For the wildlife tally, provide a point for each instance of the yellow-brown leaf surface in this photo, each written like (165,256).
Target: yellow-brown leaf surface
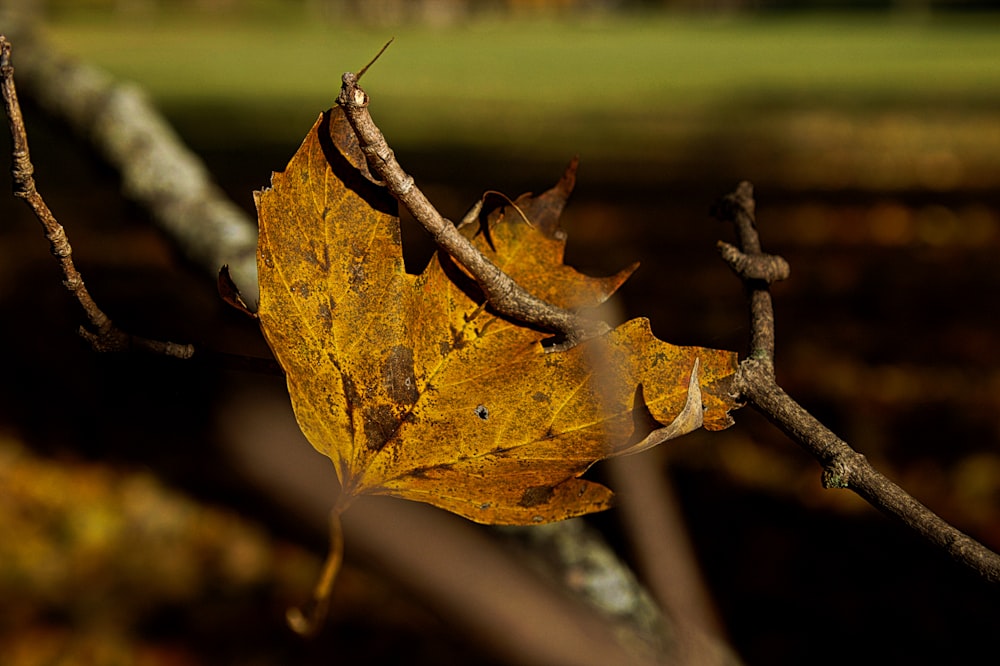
(415,389)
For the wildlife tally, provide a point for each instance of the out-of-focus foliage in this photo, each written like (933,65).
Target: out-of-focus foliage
(94,560)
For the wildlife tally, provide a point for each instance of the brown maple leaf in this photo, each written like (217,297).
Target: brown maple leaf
(414,387)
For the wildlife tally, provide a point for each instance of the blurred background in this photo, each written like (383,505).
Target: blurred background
(871,132)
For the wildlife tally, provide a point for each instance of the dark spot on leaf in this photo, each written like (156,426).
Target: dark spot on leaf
(350,389)
(380,424)
(553,360)
(538,396)
(321,261)
(357,276)
(398,378)
(427,472)
(536,495)
(659,358)
(325,315)
(482,412)
(351,396)
(457,339)
(331,405)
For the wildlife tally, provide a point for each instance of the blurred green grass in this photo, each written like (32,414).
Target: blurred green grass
(619,85)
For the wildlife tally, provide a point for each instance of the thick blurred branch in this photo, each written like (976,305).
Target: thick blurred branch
(653,522)
(843,467)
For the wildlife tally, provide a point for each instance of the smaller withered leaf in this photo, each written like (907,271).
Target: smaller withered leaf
(415,388)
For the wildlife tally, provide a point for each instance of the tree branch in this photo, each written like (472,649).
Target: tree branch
(503,293)
(158,171)
(843,467)
(102,335)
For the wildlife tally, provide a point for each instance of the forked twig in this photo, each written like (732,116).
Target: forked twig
(102,334)
(843,467)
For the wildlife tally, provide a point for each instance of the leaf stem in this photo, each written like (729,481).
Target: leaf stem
(308,619)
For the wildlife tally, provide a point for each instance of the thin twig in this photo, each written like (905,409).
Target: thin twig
(738,207)
(843,467)
(158,171)
(503,293)
(102,334)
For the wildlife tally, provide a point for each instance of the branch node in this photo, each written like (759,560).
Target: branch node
(404,187)
(764,267)
(836,476)
(23,172)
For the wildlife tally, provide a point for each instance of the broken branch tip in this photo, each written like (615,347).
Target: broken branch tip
(372,61)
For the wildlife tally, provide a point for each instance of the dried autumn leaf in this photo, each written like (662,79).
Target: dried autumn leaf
(415,388)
